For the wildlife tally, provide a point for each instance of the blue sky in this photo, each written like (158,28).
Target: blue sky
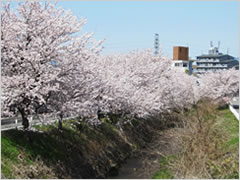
(130,25)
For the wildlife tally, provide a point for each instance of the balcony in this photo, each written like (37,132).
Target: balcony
(212,65)
(204,70)
(208,60)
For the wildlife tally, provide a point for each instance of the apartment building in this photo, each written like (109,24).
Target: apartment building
(215,61)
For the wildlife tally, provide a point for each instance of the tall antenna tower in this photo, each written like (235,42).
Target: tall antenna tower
(156,44)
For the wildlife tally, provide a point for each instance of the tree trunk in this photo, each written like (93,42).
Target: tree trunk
(60,121)
(25,121)
(60,124)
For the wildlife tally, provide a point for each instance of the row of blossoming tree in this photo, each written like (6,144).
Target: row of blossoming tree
(48,64)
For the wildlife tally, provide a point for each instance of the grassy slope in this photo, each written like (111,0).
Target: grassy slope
(231,125)
(49,146)
(18,152)
(226,165)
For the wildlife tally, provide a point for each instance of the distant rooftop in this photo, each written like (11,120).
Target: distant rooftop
(213,55)
(214,52)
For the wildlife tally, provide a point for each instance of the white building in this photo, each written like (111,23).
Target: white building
(182,64)
(181,60)
(215,61)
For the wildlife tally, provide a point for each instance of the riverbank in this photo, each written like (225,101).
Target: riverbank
(209,146)
(78,151)
(198,143)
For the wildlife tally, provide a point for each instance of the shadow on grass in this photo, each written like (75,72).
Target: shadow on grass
(79,150)
(60,150)
(72,152)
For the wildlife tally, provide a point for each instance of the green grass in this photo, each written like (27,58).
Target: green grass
(10,152)
(164,172)
(51,145)
(232,142)
(13,155)
(48,145)
(228,124)
(230,121)
(229,162)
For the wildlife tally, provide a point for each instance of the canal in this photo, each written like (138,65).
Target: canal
(145,163)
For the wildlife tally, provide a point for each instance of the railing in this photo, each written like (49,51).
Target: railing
(212,65)
(16,122)
(208,60)
(234,111)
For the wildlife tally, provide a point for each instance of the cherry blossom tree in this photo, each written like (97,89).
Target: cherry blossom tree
(219,86)
(34,36)
(141,84)
(45,62)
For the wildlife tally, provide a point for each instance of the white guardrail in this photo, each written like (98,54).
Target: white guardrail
(16,122)
(234,111)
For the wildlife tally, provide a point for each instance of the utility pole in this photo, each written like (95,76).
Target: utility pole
(156,45)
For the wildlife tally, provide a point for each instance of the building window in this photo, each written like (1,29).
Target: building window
(184,64)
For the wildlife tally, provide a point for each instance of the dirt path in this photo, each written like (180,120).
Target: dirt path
(145,163)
